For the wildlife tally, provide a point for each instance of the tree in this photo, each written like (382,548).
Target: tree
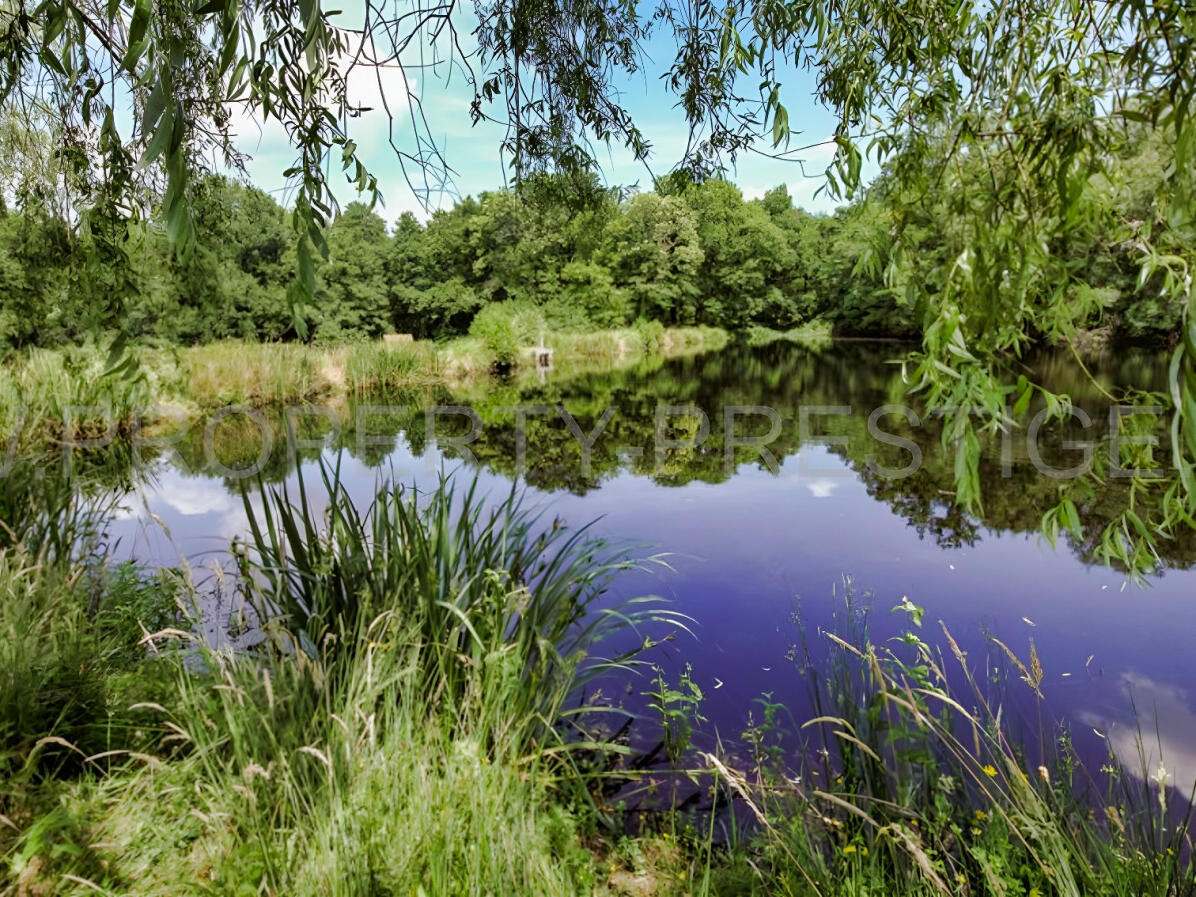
(353,298)
(34,281)
(745,259)
(234,282)
(653,253)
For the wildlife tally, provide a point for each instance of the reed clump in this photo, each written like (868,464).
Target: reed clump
(231,372)
(377,367)
(78,393)
(814,335)
(400,727)
(82,396)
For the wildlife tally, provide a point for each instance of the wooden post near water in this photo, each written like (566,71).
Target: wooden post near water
(541,358)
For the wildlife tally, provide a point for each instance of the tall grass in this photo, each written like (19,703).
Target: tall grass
(232,372)
(69,621)
(52,396)
(910,785)
(629,344)
(44,513)
(398,731)
(378,367)
(489,594)
(405,727)
(48,395)
(310,777)
(814,335)
(688,340)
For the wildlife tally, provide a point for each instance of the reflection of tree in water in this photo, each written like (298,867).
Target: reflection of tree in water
(1015,492)
(947,524)
(783,377)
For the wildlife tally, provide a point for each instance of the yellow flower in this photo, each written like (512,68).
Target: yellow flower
(850,848)
(981,815)
(864,851)
(1034,892)
(989,770)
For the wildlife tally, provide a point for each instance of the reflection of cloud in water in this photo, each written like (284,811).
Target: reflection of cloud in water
(234,522)
(1163,734)
(822,488)
(125,510)
(191,496)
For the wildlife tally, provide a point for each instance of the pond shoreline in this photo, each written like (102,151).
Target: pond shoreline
(50,398)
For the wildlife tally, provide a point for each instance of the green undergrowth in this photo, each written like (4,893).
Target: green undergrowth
(912,779)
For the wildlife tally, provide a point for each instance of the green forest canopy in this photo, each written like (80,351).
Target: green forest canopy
(690,253)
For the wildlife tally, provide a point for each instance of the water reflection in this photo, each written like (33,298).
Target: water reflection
(576,435)
(750,538)
(1151,731)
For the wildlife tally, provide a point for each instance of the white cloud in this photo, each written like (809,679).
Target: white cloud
(368,87)
(191,496)
(822,488)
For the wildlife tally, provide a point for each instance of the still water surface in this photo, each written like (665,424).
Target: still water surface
(750,541)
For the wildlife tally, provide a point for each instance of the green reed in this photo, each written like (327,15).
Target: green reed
(478,587)
(379,367)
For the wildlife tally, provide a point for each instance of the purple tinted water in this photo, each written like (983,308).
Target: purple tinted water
(745,547)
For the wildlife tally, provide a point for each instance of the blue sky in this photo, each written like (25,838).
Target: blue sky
(473,151)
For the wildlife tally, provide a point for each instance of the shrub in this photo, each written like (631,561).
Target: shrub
(506,328)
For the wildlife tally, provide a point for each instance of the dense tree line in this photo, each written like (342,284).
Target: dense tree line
(694,255)
(691,252)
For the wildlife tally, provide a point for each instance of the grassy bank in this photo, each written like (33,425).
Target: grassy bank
(48,395)
(409,725)
(817,334)
(398,731)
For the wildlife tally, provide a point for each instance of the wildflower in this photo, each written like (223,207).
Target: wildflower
(981,815)
(850,848)
(989,770)
(1161,775)
(1044,774)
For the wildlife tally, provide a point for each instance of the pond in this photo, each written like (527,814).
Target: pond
(834,496)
